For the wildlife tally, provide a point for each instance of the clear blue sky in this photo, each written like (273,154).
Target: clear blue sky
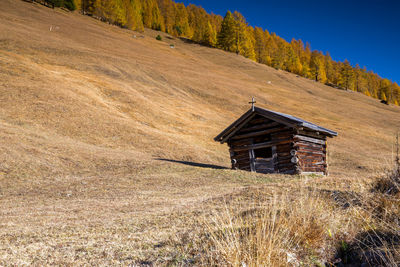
(366,32)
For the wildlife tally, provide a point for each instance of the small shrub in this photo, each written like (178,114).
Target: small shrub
(159,38)
(70,5)
(390,183)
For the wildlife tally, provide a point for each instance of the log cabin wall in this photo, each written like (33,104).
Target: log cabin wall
(311,152)
(263,145)
(285,152)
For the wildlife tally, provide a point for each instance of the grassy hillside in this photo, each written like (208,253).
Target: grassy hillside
(106,140)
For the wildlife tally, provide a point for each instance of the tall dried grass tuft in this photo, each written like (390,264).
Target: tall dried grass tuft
(286,229)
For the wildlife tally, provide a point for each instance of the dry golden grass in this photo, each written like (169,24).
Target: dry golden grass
(302,225)
(88,111)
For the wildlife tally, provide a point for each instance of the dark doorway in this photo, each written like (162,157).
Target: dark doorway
(263,159)
(263,153)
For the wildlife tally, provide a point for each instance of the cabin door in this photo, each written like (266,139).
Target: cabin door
(263,160)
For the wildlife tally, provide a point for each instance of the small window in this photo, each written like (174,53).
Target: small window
(263,153)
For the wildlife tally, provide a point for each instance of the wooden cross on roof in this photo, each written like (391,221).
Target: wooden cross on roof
(253,101)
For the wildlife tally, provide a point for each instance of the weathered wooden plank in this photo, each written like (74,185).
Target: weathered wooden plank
(317,135)
(287,157)
(264,160)
(244,161)
(252,134)
(259,120)
(283,162)
(240,142)
(283,154)
(283,136)
(289,171)
(309,149)
(286,165)
(263,145)
(310,154)
(240,153)
(259,127)
(303,143)
(303,167)
(287,168)
(284,147)
(316,148)
(310,159)
(308,145)
(309,139)
(307,152)
(321,163)
(261,139)
(287,132)
(312,163)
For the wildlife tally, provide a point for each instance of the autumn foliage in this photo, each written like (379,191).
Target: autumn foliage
(232,33)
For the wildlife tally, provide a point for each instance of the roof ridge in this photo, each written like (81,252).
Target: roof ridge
(283,118)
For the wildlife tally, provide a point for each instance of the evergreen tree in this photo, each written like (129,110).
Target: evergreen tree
(260,45)
(330,71)
(278,52)
(133,15)
(386,90)
(168,11)
(305,61)
(198,22)
(78,4)
(373,84)
(317,67)
(346,76)
(216,22)
(210,35)
(359,79)
(244,44)
(69,4)
(271,48)
(181,25)
(88,6)
(293,63)
(151,15)
(227,35)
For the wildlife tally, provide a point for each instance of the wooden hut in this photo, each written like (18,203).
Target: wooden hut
(266,141)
